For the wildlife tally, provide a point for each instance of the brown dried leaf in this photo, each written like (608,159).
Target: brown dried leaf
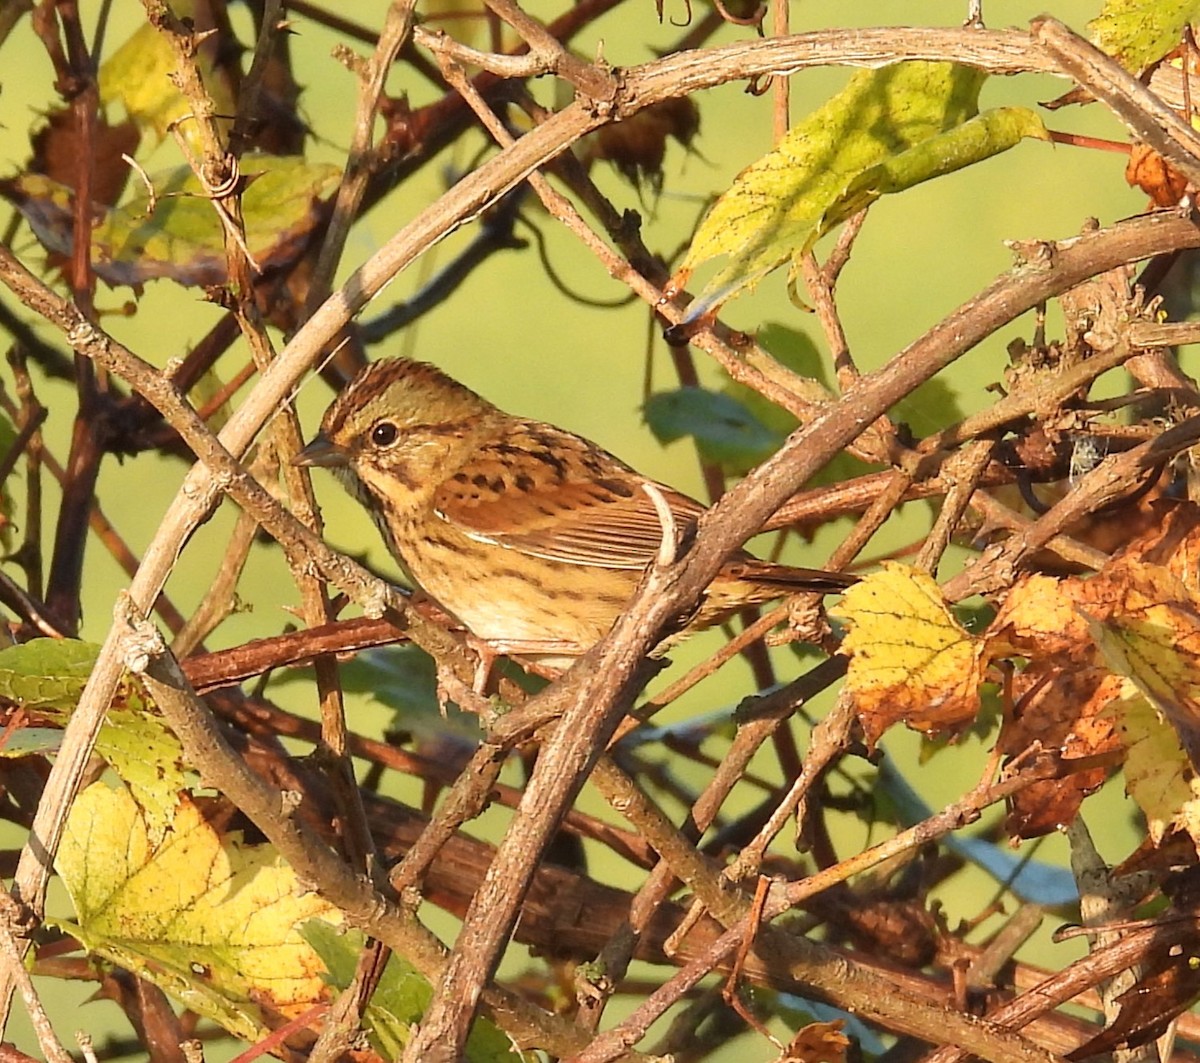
(182,238)
(637,146)
(56,149)
(1062,708)
(1172,541)
(1040,618)
(1059,697)
(1170,985)
(818,1042)
(1150,172)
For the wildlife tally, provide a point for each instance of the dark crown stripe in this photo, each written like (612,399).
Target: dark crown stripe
(379,376)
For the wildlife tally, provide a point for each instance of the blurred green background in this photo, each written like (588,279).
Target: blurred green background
(512,336)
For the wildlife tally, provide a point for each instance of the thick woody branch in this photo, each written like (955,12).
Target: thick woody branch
(592,698)
(602,686)
(313,861)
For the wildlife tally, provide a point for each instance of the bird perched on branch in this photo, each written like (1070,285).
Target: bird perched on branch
(533,537)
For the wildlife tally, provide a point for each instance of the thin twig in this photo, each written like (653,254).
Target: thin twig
(772,710)
(47,1040)
(987,1040)
(964,472)
(829,739)
(219,600)
(1148,118)
(1112,478)
(372,78)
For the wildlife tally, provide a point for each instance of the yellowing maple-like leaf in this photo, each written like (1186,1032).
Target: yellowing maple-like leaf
(910,660)
(1147,628)
(1081,646)
(1158,774)
(1040,615)
(210,920)
(1171,541)
(886,131)
(139,76)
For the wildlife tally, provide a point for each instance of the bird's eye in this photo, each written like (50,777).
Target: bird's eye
(384,434)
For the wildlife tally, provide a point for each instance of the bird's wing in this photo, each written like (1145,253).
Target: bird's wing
(542,491)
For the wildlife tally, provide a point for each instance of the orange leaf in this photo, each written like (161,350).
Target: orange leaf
(818,1042)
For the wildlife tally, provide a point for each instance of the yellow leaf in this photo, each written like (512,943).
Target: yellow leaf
(1158,775)
(1151,635)
(210,920)
(139,76)
(910,660)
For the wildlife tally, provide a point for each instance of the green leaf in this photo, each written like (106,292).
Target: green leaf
(1139,32)
(930,407)
(887,130)
(31,741)
(206,389)
(726,432)
(404,678)
(8,434)
(795,364)
(979,138)
(183,238)
(137,744)
(794,350)
(47,676)
(399,1001)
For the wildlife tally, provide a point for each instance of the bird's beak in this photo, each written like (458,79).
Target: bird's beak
(322,452)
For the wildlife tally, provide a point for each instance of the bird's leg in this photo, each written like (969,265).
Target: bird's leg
(486,656)
(547,658)
(486,652)
(452,689)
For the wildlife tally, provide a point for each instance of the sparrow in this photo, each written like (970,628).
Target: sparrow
(532,537)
